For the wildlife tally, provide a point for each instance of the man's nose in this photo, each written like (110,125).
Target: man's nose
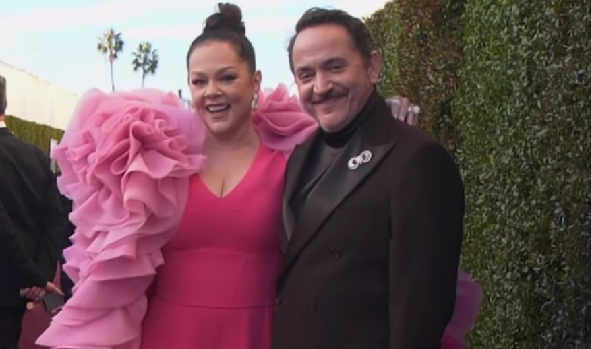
(322,84)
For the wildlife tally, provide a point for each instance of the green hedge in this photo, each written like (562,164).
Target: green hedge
(385,33)
(519,77)
(32,132)
(420,41)
(526,123)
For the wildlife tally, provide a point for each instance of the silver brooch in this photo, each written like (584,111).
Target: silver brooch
(362,158)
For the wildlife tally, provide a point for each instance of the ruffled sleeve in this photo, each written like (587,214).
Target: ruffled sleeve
(281,121)
(126,160)
(468,302)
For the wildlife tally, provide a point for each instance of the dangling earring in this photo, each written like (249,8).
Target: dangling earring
(255,101)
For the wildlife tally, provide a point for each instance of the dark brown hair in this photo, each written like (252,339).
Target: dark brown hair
(226,25)
(316,16)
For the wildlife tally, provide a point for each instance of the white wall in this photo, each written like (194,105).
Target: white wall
(32,99)
(361,8)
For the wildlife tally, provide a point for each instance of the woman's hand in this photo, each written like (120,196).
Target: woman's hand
(404,110)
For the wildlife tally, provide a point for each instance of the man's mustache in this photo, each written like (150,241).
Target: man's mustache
(328,95)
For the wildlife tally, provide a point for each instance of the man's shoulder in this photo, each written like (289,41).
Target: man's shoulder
(18,142)
(418,152)
(23,150)
(413,139)
(307,142)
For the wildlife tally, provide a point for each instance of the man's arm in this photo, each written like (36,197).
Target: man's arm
(427,214)
(13,254)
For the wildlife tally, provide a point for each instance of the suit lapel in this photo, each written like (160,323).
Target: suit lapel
(296,164)
(335,186)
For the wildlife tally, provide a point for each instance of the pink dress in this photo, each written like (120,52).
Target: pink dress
(130,164)
(216,289)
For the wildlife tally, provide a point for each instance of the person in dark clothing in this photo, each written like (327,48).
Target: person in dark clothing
(31,228)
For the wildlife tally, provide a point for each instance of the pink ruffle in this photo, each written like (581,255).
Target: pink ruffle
(468,303)
(281,121)
(126,160)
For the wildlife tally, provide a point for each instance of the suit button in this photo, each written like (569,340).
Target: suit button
(313,306)
(335,252)
(278,300)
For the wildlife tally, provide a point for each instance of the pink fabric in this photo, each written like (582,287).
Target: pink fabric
(468,303)
(278,116)
(126,161)
(222,265)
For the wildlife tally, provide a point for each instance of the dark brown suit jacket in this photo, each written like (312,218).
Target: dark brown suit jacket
(373,257)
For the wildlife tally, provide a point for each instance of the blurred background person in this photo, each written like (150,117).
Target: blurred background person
(32,228)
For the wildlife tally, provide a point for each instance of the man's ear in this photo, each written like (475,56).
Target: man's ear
(375,66)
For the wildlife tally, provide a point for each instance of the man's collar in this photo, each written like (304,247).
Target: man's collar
(3,124)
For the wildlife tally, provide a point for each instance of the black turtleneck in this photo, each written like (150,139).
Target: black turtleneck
(324,150)
(340,138)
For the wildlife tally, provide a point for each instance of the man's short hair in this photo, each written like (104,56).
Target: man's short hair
(358,31)
(3,97)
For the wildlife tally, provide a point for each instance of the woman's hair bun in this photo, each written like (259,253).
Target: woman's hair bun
(228,17)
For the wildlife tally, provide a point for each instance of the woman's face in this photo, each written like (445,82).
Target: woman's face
(222,87)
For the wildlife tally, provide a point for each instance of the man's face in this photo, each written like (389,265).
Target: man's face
(333,79)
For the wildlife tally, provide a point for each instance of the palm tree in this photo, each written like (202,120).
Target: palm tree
(145,59)
(111,45)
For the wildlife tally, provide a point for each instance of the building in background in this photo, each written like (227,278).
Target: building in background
(33,99)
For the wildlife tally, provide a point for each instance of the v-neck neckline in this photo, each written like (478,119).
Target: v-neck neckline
(244,178)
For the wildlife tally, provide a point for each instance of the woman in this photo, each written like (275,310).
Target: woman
(134,165)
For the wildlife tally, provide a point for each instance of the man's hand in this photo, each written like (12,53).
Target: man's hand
(36,293)
(403,110)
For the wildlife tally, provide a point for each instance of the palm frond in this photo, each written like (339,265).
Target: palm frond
(110,44)
(145,59)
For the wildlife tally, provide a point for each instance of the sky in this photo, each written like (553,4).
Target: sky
(56,40)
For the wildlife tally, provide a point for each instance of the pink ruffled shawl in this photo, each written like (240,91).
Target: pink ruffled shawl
(126,160)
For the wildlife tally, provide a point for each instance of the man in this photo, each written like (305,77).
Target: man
(373,208)
(32,226)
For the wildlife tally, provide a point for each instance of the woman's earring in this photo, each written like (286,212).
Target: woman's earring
(255,101)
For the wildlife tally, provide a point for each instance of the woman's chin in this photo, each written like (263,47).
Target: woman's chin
(219,127)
